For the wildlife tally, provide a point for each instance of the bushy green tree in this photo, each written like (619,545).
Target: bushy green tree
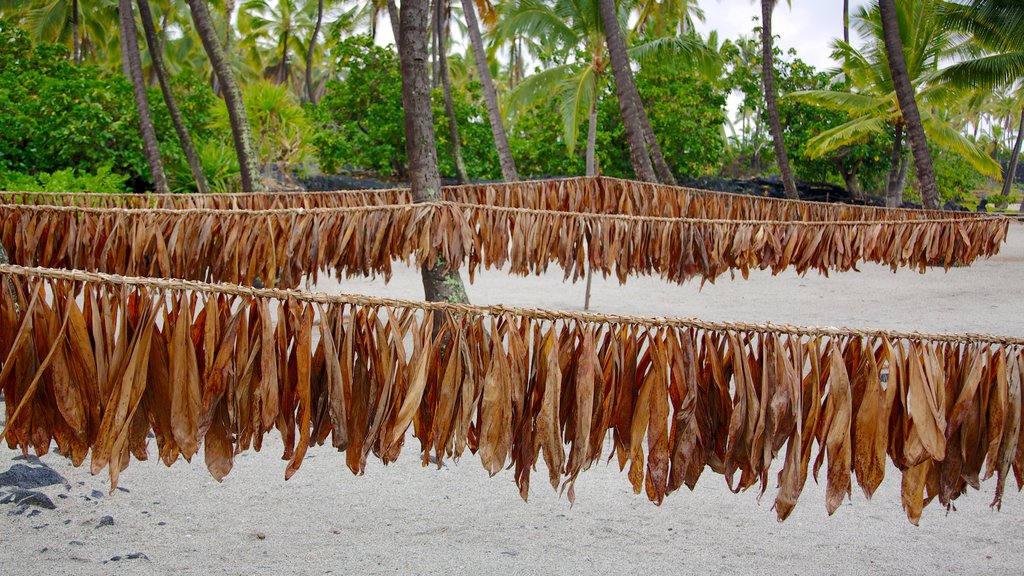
(686,112)
(860,167)
(56,116)
(359,124)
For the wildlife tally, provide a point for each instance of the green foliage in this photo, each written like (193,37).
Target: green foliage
(280,129)
(359,123)
(56,116)
(687,115)
(67,180)
(478,149)
(220,164)
(955,178)
(536,141)
(868,160)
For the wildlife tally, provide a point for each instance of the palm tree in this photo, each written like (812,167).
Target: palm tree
(667,17)
(240,129)
(310,93)
(890,18)
(157,59)
(846,21)
(768,81)
(440,28)
(439,281)
(625,89)
(997,28)
(133,63)
(81,24)
(270,35)
(872,103)
(508,165)
(574,36)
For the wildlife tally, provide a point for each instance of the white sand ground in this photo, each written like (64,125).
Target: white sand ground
(406,519)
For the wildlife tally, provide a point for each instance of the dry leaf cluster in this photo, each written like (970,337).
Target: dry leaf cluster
(96,364)
(281,246)
(591,195)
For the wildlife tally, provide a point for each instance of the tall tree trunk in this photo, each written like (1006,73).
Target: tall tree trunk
(591,172)
(768,81)
(850,179)
(624,88)
(130,48)
(846,21)
(1011,170)
(282,68)
(156,55)
(895,155)
(439,282)
(592,139)
(508,165)
(894,194)
(76,39)
(229,10)
(435,76)
(901,180)
(908,104)
(665,175)
(441,29)
(240,129)
(310,92)
(393,17)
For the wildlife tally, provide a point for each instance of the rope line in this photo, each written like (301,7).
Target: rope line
(498,310)
(483,208)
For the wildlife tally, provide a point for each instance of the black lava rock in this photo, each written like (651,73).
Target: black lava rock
(27,498)
(29,477)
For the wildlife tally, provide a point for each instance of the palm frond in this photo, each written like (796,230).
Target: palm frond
(853,132)
(576,95)
(850,102)
(690,51)
(987,71)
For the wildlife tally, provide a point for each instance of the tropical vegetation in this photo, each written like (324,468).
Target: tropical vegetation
(924,104)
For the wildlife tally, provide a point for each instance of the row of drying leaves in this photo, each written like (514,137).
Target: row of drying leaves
(281,247)
(221,371)
(591,195)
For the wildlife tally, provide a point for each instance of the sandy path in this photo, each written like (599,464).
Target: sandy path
(404,519)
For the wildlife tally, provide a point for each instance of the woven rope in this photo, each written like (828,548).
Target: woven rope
(540,182)
(482,208)
(498,310)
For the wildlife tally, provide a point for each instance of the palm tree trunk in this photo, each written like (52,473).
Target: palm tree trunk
(623,84)
(310,93)
(591,172)
(1011,170)
(908,104)
(846,21)
(393,17)
(76,39)
(282,67)
(893,191)
(130,48)
(768,81)
(441,29)
(439,282)
(665,175)
(849,175)
(240,129)
(508,165)
(156,55)
(435,77)
(592,139)
(229,9)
